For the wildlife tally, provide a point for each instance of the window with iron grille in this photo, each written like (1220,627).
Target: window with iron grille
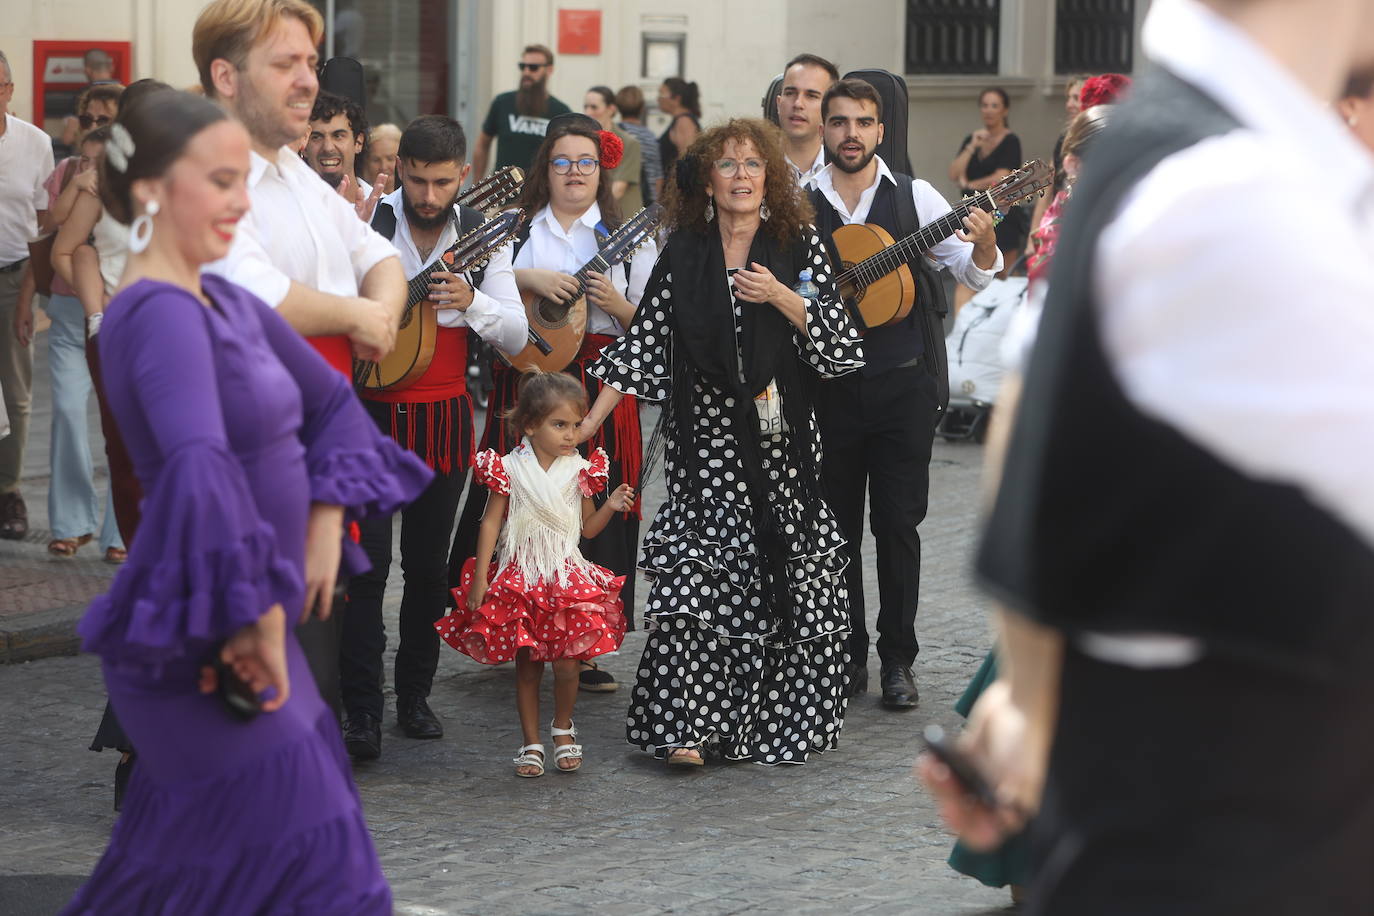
(1094,36)
(952,36)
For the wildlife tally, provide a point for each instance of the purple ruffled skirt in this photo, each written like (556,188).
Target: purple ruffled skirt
(228,817)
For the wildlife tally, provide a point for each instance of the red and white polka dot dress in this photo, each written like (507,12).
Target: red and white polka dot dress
(542,594)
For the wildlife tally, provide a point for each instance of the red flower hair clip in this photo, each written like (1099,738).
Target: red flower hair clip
(1106,89)
(612,150)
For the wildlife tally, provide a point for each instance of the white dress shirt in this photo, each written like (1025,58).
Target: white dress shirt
(25,163)
(300,229)
(496,312)
(804,177)
(551,248)
(952,252)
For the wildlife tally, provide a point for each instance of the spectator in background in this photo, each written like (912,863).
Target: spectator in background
(680,101)
(804,82)
(986,156)
(519,118)
(73,510)
(338,135)
(599,105)
(25,161)
(1072,106)
(629,101)
(378,157)
(99,67)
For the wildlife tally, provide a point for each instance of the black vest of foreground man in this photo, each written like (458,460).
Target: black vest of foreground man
(1233,782)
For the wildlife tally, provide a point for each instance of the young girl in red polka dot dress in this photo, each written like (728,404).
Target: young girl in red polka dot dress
(541,601)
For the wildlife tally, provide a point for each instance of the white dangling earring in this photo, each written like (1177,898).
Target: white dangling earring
(710,209)
(141,232)
(764,212)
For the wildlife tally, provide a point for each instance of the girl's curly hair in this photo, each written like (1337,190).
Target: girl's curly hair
(685,192)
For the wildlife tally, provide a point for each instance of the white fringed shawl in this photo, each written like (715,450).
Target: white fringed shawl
(544,522)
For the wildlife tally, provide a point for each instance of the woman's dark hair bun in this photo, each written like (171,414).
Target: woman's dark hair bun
(152,133)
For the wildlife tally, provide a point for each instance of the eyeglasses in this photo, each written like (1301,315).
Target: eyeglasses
(563,165)
(530,68)
(729,168)
(89,121)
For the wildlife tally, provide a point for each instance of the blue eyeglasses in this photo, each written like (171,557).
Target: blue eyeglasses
(562,165)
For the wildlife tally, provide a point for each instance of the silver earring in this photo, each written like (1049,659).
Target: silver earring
(710,209)
(141,232)
(764,212)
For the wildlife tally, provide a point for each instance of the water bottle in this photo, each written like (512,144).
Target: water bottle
(805,287)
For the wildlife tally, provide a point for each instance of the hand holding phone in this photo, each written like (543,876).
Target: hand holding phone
(965,772)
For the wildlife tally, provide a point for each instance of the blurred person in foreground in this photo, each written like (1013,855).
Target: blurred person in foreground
(1196,567)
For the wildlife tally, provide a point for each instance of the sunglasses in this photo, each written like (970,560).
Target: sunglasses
(89,121)
(563,165)
(530,68)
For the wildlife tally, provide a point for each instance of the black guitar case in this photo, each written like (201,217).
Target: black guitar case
(896,110)
(770,100)
(344,76)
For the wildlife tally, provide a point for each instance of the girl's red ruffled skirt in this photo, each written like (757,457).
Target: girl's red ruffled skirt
(580,620)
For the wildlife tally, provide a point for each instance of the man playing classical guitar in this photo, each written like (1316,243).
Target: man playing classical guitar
(878,424)
(433,416)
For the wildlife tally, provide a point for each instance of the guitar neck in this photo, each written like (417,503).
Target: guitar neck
(918,243)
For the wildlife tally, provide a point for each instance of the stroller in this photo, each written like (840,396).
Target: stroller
(975,359)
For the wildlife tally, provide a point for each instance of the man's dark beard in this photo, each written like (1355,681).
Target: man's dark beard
(427,222)
(851,169)
(534,99)
(333,179)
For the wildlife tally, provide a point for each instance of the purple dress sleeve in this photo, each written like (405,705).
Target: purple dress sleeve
(205,562)
(351,464)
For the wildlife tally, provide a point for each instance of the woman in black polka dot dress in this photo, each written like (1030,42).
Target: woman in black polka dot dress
(748,606)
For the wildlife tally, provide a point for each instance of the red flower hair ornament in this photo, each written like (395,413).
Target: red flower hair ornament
(612,150)
(1106,89)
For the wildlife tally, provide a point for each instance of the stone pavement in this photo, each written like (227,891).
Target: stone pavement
(458,834)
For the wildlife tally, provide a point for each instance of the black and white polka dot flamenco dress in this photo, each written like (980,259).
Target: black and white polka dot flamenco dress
(716,672)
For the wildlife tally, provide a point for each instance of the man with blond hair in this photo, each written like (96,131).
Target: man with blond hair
(301,248)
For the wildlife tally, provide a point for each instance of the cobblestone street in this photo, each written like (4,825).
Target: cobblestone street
(457,833)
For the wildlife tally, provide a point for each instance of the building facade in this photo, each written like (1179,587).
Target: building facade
(426,56)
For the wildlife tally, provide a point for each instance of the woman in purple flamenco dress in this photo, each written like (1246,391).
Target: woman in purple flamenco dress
(253,455)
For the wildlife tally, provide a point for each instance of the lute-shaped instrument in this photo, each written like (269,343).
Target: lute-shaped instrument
(414,348)
(557,328)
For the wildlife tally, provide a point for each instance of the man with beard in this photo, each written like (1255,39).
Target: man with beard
(878,424)
(521,117)
(432,416)
(301,247)
(1184,531)
(338,136)
(804,82)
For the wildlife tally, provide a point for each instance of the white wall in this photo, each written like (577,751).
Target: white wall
(160,31)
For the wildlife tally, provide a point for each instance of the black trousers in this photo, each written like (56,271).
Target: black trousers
(426,529)
(876,434)
(1216,789)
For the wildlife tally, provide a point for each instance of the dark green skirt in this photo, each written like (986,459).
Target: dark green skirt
(1011,863)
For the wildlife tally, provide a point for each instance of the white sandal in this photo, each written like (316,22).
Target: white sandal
(564,751)
(531,755)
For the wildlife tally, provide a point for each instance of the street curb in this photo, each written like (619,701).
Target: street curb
(40,634)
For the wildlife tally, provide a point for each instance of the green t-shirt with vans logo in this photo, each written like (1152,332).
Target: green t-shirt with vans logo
(517,136)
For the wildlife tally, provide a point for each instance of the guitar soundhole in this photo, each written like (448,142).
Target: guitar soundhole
(552,314)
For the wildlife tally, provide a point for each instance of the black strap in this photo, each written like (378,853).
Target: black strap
(384,220)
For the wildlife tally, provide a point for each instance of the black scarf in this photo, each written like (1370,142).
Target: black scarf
(707,347)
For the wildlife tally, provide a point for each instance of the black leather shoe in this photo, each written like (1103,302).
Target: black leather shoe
(363,736)
(417,719)
(856,680)
(899,688)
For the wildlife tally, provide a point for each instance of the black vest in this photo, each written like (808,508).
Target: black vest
(891,345)
(384,224)
(1109,520)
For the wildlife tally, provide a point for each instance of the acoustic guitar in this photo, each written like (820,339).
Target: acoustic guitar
(414,348)
(495,191)
(875,279)
(556,327)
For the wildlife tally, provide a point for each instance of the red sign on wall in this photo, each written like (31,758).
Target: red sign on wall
(59,76)
(579,31)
